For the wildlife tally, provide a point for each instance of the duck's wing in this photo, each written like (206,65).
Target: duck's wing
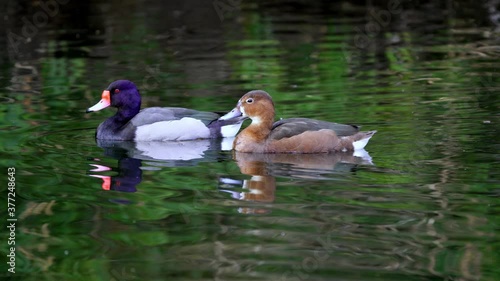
(158,114)
(286,128)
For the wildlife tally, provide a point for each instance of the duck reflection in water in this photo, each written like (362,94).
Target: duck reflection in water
(129,175)
(264,168)
(133,157)
(129,170)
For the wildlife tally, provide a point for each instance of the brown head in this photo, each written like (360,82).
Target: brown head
(256,105)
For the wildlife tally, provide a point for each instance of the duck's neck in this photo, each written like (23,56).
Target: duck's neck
(260,128)
(124,114)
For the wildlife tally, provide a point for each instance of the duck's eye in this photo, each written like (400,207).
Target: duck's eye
(249,100)
(116,91)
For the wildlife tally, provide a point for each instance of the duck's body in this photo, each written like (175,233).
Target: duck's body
(156,123)
(166,124)
(294,135)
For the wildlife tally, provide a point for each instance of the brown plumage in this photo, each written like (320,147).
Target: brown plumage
(294,135)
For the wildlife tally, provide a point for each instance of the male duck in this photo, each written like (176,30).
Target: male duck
(294,135)
(156,123)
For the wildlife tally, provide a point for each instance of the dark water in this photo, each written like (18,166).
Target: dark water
(422,205)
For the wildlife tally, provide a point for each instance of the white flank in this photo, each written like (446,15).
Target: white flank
(230,130)
(361,143)
(176,130)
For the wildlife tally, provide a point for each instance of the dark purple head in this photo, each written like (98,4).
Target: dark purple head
(122,94)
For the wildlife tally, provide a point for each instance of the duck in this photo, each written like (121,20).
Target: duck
(130,123)
(293,135)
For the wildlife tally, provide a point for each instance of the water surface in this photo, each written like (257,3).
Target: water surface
(420,204)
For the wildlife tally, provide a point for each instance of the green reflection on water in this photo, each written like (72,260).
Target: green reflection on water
(425,210)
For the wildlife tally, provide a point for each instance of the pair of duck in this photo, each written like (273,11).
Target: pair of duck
(263,135)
